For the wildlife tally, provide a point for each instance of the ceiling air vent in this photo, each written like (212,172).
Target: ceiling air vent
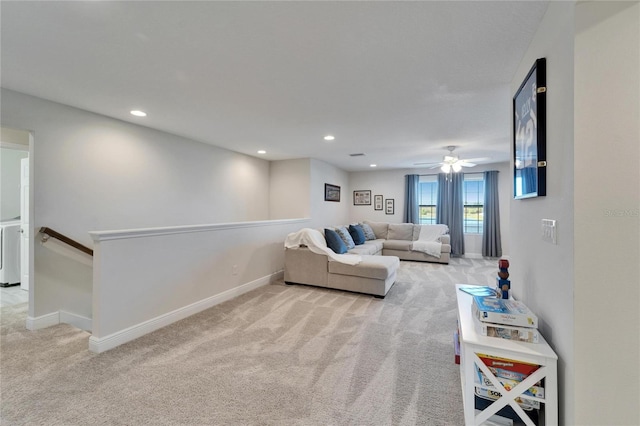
(358,154)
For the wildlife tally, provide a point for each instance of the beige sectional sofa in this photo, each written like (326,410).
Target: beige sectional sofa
(376,270)
(396,239)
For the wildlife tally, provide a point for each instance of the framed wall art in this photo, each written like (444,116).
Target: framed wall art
(529,134)
(361,198)
(377,202)
(389,206)
(331,192)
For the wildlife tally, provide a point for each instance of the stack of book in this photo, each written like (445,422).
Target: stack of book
(509,373)
(505,318)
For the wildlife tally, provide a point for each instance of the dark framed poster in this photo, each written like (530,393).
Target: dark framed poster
(331,192)
(529,134)
(361,198)
(389,206)
(377,202)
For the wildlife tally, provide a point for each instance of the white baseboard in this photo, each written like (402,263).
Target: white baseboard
(102,344)
(43,321)
(83,323)
(60,317)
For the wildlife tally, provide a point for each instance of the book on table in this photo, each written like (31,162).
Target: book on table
(509,373)
(503,311)
(508,384)
(479,290)
(508,368)
(508,332)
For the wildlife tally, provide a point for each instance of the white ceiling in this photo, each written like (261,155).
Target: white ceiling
(398,81)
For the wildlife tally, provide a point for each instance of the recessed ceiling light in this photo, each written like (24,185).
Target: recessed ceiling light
(138,113)
(329,138)
(262,151)
(373,165)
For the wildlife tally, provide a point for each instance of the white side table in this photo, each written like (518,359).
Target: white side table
(472,343)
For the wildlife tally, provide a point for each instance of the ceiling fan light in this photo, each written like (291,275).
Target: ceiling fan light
(457,167)
(446,168)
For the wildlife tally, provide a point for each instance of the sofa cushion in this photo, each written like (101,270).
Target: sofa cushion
(357,234)
(368,231)
(400,231)
(346,236)
(379,228)
(369,248)
(334,242)
(376,267)
(416,232)
(398,245)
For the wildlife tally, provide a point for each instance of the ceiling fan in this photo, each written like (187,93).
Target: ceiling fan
(452,162)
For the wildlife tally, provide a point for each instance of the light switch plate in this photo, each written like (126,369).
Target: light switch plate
(549,231)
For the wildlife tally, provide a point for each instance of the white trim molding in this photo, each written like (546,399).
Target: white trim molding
(99,345)
(60,317)
(43,321)
(153,232)
(83,323)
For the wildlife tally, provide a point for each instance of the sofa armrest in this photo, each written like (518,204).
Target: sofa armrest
(303,266)
(445,239)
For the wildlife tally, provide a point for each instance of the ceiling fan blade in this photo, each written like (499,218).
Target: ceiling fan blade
(475,160)
(428,164)
(466,164)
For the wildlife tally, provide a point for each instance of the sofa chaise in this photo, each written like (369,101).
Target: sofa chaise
(370,267)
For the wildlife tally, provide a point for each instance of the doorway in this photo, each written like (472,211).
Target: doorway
(15,148)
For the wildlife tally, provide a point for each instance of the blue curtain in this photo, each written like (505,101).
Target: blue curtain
(491,244)
(450,209)
(411,201)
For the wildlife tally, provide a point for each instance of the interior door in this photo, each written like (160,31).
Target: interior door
(24,223)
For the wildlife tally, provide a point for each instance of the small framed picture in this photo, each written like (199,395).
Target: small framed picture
(377,202)
(389,206)
(361,198)
(331,192)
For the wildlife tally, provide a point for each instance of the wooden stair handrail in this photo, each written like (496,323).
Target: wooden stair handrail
(50,232)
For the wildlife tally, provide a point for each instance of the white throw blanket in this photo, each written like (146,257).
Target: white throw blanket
(315,241)
(428,241)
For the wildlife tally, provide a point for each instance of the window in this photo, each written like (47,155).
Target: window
(428,198)
(473,199)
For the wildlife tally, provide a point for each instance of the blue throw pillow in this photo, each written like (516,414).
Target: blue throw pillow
(357,234)
(346,237)
(334,242)
(368,231)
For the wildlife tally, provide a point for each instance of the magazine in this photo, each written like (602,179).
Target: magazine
(479,290)
(504,311)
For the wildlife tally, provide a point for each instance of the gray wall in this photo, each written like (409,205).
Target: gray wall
(92,172)
(542,274)
(607,210)
(585,288)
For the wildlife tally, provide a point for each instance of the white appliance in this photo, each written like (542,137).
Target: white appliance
(9,253)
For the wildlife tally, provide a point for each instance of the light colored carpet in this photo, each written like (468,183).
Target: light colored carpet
(279,355)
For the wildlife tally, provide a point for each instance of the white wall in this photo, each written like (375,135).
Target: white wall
(328,213)
(289,183)
(542,274)
(388,183)
(10,181)
(391,184)
(92,172)
(607,211)
(167,274)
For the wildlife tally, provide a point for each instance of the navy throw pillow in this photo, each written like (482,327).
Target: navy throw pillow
(334,242)
(357,234)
